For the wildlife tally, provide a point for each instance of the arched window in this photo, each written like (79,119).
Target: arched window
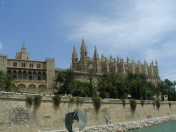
(25,77)
(39,76)
(35,75)
(14,75)
(9,73)
(23,64)
(31,65)
(44,76)
(38,66)
(19,75)
(15,64)
(30,75)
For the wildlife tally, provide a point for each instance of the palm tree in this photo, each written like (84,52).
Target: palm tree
(65,79)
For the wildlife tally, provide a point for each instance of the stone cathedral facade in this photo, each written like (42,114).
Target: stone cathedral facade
(83,64)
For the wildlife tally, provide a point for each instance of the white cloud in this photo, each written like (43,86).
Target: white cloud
(139,29)
(165,54)
(142,26)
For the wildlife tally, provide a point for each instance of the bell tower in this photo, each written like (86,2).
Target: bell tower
(23,54)
(74,59)
(96,61)
(84,56)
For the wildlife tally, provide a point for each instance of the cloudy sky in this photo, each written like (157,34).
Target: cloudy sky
(139,29)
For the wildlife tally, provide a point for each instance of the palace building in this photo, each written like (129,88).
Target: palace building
(83,64)
(29,75)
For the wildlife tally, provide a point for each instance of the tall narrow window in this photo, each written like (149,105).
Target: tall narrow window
(31,65)
(23,64)
(15,64)
(38,66)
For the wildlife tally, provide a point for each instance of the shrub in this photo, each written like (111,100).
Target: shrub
(142,103)
(28,101)
(170,105)
(78,101)
(157,103)
(56,101)
(96,103)
(153,103)
(71,100)
(123,103)
(133,105)
(37,101)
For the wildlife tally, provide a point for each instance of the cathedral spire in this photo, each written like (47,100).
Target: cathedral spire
(74,59)
(74,53)
(83,45)
(96,56)
(156,62)
(83,56)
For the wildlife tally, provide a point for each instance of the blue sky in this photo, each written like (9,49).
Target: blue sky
(135,28)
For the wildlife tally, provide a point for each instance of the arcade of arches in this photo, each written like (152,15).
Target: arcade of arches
(29,80)
(28,87)
(27,74)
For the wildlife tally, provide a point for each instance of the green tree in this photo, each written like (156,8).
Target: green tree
(168,88)
(6,83)
(112,85)
(120,85)
(65,79)
(92,89)
(80,88)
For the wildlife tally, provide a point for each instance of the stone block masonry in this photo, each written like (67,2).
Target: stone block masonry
(14,115)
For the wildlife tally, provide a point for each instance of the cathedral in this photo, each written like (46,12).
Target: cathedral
(101,65)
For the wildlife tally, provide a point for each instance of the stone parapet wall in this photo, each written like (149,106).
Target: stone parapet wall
(46,117)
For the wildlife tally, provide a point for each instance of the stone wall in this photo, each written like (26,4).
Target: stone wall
(3,63)
(46,117)
(50,64)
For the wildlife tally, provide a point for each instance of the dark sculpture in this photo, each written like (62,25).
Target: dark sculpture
(69,119)
(80,117)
